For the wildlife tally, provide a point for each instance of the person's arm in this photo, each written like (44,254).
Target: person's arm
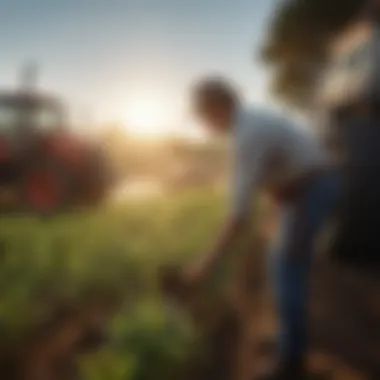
(245,179)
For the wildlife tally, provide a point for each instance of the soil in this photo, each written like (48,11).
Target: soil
(239,334)
(344,325)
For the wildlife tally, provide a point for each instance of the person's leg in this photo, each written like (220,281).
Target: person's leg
(291,263)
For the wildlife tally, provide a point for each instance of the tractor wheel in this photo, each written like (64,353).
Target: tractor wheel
(46,188)
(97,180)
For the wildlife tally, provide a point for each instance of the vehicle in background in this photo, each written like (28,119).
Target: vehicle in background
(44,167)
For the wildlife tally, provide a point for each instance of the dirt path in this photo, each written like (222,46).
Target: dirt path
(344,322)
(346,318)
(345,326)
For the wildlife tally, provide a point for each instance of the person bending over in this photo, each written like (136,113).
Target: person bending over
(271,153)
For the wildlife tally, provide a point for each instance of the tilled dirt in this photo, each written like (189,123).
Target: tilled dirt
(239,333)
(344,325)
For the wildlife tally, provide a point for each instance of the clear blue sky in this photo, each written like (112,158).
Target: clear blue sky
(101,54)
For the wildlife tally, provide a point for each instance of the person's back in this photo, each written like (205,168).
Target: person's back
(283,148)
(272,153)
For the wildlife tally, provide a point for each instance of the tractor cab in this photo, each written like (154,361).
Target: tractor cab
(26,114)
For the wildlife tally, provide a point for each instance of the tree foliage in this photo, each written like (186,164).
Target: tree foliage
(297,41)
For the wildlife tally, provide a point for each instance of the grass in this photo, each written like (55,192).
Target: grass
(117,250)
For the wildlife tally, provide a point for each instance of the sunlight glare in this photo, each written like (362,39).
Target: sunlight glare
(147,118)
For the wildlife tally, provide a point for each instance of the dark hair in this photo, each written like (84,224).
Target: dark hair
(213,91)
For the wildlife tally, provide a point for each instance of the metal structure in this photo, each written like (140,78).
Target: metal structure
(350,96)
(45,168)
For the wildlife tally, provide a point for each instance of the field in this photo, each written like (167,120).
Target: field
(110,256)
(80,299)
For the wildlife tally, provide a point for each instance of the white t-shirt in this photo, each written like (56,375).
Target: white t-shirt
(269,150)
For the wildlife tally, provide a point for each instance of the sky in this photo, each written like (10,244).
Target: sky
(114,60)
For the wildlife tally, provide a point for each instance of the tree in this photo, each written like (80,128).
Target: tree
(297,41)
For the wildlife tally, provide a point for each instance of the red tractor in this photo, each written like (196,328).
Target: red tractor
(45,168)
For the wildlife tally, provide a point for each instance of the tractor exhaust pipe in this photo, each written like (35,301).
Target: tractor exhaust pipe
(29,78)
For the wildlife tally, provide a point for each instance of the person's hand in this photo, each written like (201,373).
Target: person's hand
(196,275)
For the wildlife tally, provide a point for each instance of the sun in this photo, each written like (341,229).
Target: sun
(146,118)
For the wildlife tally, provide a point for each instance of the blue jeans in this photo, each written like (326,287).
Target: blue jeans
(291,260)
